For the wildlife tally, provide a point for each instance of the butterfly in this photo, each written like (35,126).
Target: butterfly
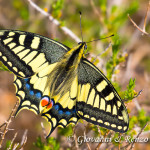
(59,83)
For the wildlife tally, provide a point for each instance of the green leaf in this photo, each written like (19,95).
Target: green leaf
(51,144)
(57,7)
(66,131)
(3,68)
(8,142)
(130,93)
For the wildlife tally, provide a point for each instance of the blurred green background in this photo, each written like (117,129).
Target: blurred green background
(124,59)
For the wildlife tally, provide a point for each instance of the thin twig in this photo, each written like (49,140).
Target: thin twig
(132,145)
(139,93)
(100,143)
(8,122)
(3,125)
(56,22)
(137,104)
(99,131)
(89,148)
(146,16)
(140,133)
(75,138)
(137,26)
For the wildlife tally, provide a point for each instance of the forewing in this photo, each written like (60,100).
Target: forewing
(98,101)
(26,53)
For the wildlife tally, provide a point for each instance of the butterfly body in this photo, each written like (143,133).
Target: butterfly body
(65,71)
(59,83)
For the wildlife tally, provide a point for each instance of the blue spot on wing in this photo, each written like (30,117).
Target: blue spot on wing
(60,112)
(56,107)
(68,113)
(27,86)
(38,95)
(31,93)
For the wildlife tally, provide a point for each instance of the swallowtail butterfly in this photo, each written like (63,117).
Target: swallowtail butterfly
(59,83)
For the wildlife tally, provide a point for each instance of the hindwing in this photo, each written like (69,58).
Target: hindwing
(63,111)
(98,101)
(31,91)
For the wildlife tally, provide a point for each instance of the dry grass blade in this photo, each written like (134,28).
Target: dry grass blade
(24,140)
(12,141)
(44,131)
(15,146)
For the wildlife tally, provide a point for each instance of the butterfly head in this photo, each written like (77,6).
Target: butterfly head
(46,104)
(83,44)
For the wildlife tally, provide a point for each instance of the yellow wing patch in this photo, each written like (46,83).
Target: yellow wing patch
(100,104)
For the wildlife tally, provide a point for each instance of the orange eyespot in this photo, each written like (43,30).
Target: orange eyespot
(50,105)
(46,102)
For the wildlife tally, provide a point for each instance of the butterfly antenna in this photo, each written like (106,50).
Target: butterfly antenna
(101,38)
(81,26)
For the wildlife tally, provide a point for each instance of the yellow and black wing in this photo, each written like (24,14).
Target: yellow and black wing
(89,95)
(63,111)
(60,116)
(98,101)
(26,53)
(31,58)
